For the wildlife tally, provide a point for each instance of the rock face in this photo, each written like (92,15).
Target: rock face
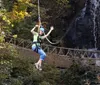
(85,30)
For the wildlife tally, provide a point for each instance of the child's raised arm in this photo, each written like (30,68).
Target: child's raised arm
(51,29)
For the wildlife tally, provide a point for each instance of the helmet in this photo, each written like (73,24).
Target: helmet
(41,26)
(42,29)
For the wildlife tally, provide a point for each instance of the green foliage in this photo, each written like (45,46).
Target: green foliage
(7,4)
(1,39)
(17,71)
(3,20)
(52,75)
(22,15)
(71,76)
(13,12)
(44,83)
(63,2)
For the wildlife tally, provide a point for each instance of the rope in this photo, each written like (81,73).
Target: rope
(39,18)
(63,35)
(59,40)
(50,41)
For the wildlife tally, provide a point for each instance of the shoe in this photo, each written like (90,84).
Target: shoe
(40,68)
(36,65)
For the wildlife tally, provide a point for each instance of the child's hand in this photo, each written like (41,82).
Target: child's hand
(51,28)
(36,25)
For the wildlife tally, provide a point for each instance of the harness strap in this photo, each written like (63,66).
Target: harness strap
(37,47)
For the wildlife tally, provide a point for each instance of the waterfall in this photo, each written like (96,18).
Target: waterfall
(85,29)
(82,13)
(0,3)
(96,4)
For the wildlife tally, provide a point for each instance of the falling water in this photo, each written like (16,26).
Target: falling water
(82,12)
(85,29)
(95,2)
(0,3)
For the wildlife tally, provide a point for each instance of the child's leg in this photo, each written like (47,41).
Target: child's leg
(39,62)
(42,56)
(34,49)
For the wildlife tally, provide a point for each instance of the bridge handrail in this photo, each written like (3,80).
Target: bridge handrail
(63,51)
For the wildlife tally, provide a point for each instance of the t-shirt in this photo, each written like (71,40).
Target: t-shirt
(35,38)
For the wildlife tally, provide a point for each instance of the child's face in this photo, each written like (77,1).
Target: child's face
(41,33)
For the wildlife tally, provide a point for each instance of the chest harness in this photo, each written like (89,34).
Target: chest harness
(39,41)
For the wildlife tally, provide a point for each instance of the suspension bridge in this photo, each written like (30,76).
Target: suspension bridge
(58,56)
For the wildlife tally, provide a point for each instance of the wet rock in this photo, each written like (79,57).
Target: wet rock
(85,29)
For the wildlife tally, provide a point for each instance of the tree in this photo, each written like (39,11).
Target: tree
(22,15)
(13,12)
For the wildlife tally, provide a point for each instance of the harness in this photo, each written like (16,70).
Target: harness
(39,41)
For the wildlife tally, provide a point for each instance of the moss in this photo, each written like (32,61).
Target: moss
(3,76)
(44,83)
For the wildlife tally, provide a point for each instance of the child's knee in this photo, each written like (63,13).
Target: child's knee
(44,54)
(42,57)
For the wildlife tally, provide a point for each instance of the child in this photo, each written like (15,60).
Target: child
(37,42)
